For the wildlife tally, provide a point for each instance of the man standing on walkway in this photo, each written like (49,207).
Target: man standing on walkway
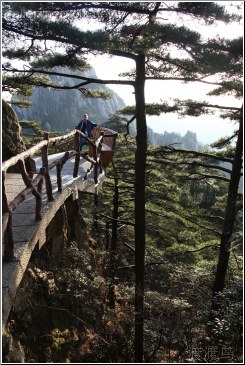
(85,126)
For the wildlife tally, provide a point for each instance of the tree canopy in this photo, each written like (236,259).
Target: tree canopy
(48,34)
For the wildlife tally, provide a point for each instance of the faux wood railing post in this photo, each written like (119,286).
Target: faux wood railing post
(100,151)
(77,158)
(28,182)
(96,152)
(59,180)
(8,253)
(95,156)
(45,165)
(5,206)
(39,202)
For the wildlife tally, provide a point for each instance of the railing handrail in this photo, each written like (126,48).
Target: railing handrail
(35,186)
(30,152)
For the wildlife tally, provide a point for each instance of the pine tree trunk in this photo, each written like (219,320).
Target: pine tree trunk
(140,167)
(230,216)
(113,248)
(115,218)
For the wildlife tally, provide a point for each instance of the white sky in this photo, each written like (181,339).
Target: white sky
(207,128)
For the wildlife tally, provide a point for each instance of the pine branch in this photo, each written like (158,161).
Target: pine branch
(122,221)
(184,79)
(128,246)
(193,164)
(216,106)
(170,255)
(116,52)
(86,82)
(167,149)
(127,126)
(206,176)
(178,216)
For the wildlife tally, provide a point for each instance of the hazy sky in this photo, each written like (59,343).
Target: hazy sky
(207,128)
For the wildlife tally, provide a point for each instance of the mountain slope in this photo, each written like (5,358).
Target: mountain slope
(62,109)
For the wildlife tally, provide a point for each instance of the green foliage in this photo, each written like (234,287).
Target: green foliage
(225,144)
(165,63)
(116,123)
(96,93)
(33,125)
(21,103)
(150,109)
(233,87)
(65,316)
(141,38)
(179,208)
(187,107)
(16,53)
(208,11)
(32,132)
(13,85)
(23,85)
(152,38)
(192,108)
(227,325)
(184,202)
(69,60)
(236,47)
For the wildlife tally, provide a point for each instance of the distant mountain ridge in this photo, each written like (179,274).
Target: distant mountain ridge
(189,140)
(59,110)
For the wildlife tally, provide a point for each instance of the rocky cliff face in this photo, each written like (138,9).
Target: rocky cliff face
(12,142)
(59,110)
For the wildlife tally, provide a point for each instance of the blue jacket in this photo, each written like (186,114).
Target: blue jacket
(86,128)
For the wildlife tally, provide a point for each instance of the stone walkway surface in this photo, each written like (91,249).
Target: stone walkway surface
(26,231)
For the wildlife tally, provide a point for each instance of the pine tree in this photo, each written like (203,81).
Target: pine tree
(131,30)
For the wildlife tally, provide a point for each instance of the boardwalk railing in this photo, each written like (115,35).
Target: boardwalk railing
(97,149)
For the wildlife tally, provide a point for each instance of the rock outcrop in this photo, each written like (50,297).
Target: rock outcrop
(12,142)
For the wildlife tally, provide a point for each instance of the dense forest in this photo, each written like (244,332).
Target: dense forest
(81,307)
(158,275)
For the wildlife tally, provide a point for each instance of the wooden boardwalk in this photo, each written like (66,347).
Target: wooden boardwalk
(29,233)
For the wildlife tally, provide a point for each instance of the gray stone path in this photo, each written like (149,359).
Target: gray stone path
(27,232)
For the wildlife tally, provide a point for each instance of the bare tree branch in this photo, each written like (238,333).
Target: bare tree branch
(86,82)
